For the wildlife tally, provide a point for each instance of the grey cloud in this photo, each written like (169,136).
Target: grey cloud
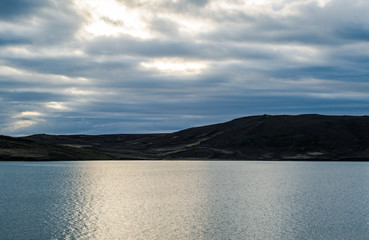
(11,9)
(56,23)
(199,2)
(286,31)
(164,27)
(70,66)
(12,40)
(168,117)
(176,48)
(353,32)
(167,6)
(129,46)
(29,96)
(112,22)
(312,25)
(337,72)
(314,61)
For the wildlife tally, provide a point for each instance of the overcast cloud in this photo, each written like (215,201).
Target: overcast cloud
(124,66)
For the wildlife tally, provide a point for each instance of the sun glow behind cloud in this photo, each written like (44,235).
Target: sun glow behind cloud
(109,18)
(175,66)
(21,124)
(24,119)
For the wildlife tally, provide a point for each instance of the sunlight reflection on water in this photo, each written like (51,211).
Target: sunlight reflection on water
(184,200)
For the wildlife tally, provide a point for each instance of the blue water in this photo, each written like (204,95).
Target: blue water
(184,200)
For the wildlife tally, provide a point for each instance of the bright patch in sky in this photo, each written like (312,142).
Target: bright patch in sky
(21,124)
(175,66)
(56,105)
(27,114)
(109,18)
(26,120)
(257,2)
(77,91)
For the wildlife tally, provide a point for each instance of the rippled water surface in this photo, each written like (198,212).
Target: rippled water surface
(184,200)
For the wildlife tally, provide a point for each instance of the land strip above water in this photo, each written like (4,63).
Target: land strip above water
(265,137)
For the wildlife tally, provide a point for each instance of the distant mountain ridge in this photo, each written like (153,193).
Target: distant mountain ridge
(265,137)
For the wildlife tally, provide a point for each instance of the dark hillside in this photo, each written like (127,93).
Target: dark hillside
(274,137)
(21,149)
(284,137)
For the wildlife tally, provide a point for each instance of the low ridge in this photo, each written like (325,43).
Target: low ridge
(266,137)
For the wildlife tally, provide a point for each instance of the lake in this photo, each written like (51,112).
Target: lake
(184,200)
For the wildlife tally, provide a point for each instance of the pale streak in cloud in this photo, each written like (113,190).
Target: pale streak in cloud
(28,119)
(57,106)
(175,66)
(27,114)
(17,125)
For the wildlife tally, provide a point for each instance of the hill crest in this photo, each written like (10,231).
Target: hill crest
(264,137)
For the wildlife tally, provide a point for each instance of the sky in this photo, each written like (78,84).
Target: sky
(148,66)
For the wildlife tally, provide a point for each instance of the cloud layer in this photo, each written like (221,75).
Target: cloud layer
(125,66)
